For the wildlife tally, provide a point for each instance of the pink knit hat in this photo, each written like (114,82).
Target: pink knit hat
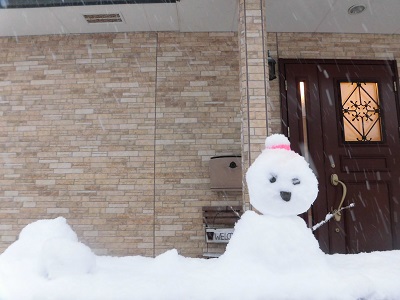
(277,141)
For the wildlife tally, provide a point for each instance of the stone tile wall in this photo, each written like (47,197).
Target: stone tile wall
(114,132)
(253,82)
(197,117)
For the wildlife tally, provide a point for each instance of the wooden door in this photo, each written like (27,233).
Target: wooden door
(346,123)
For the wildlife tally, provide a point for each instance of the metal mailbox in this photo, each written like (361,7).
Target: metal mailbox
(226,173)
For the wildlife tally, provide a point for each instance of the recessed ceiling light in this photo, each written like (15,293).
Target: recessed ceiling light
(356,9)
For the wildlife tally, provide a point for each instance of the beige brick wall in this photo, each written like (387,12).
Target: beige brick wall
(326,46)
(197,108)
(253,82)
(114,132)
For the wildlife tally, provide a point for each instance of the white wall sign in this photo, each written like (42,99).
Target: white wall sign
(218,235)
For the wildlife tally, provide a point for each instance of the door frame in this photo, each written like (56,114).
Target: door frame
(282,79)
(322,233)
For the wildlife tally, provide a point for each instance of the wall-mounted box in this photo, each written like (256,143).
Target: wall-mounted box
(226,173)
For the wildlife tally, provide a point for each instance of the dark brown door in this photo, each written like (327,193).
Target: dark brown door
(343,116)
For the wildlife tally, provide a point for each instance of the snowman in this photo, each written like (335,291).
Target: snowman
(281,186)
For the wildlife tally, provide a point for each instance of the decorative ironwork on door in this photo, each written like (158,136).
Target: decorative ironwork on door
(361,112)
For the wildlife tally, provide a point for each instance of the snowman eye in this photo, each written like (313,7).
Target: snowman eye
(272,179)
(295,181)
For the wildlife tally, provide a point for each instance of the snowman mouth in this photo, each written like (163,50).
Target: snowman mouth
(286,196)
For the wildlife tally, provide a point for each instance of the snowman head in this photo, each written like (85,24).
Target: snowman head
(280,181)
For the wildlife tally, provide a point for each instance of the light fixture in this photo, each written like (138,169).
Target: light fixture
(356,9)
(271,67)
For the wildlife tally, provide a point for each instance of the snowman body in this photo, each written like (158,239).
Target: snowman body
(281,186)
(278,243)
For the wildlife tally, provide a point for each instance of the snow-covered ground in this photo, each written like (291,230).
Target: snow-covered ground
(270,256)
(48,262)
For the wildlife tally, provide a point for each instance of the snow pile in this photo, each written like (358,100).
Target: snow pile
(270,256)
(63,257)
(50,248)
(45,249)
(32,237)
(244,272)
(275,269)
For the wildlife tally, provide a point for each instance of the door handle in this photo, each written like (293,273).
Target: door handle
(335,181)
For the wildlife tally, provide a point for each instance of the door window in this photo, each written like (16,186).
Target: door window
(361,113)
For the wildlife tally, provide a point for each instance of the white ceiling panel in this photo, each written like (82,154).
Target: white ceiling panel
(206,15)
(380,16)
(18,22)
(162,17)
(134,18)
(235,21)
(296,15)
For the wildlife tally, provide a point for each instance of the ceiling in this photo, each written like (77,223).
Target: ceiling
(380,16)
(184,16)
